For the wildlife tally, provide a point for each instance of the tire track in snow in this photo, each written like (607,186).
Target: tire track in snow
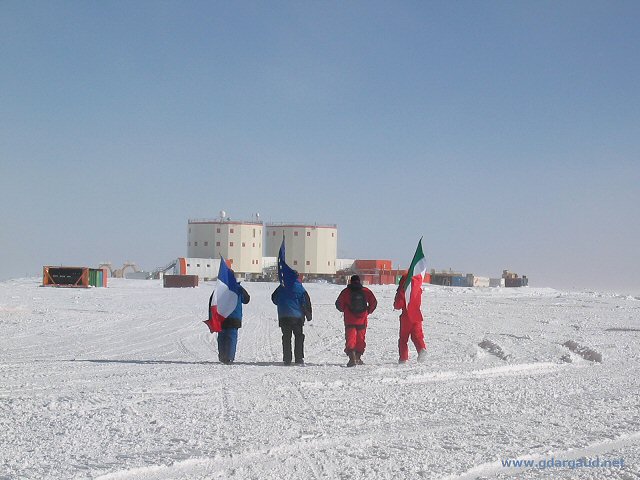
(261,458)
(323,335)
(187,352)
(491,469)
(454,375)
(317,469)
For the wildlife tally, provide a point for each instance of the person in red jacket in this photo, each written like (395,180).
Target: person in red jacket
(356,302)
(410,326)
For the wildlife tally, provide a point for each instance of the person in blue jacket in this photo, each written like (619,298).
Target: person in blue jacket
(294,306)
(228,337)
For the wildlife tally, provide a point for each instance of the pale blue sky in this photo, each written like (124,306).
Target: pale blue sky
(505,133)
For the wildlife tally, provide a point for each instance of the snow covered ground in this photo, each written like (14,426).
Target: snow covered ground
(124,383)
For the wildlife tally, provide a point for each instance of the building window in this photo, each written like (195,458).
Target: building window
(308,234)
(208,266)
(188,244)
(295,262)
(206,244)
(217,244)
(254,244)
(188,264)
(195,244)
(197,264)
(231,244)
(189,229)
(231,230)
(254,233)
(295,234)
(333,234)
(308,262)
(274,233)
(328,264)
(243,244)
(217,230)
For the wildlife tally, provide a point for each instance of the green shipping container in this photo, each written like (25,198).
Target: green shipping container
(95,277)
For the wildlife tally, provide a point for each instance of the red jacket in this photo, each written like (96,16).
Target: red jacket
(352,319)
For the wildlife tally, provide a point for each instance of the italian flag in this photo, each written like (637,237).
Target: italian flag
(413,283)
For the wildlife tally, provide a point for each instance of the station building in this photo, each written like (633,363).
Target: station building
(309,249)
(239,242)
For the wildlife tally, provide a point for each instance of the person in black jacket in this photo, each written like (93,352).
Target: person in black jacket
(294,305)
(228,337)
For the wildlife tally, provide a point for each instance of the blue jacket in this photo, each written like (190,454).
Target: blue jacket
(292,302)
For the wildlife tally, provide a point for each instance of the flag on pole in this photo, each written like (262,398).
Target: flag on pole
(413,283)
(286,275)
(224,298)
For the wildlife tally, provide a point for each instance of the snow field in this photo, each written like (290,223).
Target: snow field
(124,383)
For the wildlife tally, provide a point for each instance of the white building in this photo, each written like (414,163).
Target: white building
(238,242)
(309,249)
(204,268)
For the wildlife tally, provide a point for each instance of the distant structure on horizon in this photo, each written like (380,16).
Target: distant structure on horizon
(309,249)
(251,247)
(239,242)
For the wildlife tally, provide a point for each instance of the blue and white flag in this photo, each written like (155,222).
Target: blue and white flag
(286,275)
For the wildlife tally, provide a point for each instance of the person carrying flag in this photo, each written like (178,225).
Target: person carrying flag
(294,306)
(225,312)
(409,299)
(356,302)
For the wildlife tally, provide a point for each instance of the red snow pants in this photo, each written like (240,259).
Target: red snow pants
(413,330)
(355,339)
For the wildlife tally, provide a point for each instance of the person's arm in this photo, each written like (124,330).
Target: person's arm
(244,295)
(398,302)
(340,301)
(308,313)
(371,300)
(274,295)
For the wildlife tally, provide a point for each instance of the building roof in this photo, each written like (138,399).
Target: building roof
(222,222)
(300,225)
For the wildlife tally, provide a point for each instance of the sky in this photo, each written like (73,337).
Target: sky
(505,134)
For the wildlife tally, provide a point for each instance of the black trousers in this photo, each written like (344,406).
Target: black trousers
(295,328)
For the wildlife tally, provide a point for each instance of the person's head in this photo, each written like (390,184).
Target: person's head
(355,280)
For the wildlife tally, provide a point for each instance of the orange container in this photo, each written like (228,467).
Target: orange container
(372,264)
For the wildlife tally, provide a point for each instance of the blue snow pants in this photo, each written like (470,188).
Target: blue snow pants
(227,341)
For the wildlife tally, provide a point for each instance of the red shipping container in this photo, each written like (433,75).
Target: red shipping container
(386,279)
(369,279)
(372,264)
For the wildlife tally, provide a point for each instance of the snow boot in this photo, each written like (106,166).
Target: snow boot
(359,359)
(352,358)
